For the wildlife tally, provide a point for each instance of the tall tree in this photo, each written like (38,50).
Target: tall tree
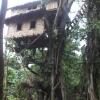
(2,18)
(57,38)
(93,50)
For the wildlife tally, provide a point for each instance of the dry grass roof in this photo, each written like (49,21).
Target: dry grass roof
(26,5)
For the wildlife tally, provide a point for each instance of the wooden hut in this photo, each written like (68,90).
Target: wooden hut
(26,22)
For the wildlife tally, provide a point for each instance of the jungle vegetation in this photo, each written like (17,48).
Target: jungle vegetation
(79,71)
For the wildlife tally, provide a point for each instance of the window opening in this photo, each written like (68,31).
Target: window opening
(19,27)
(32,24)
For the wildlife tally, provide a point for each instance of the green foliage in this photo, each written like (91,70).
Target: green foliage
(15,77)
(15,74)
(71,63)
(72,60)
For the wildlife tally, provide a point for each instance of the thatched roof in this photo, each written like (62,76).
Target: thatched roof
(26,5)
(25,16)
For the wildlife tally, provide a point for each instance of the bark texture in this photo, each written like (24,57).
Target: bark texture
(93,53)
(2,17)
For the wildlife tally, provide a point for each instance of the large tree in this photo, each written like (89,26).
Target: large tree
(93,50)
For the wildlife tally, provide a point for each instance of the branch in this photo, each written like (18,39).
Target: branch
(31,60)
(55,87)
(56,17)
(62,4)
(35,40)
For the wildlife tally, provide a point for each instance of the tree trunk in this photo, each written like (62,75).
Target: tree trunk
(5,82)
(57,42)
(63,88)
(2,17)
(93,51)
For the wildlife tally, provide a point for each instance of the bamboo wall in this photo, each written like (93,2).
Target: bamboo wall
(52,5)
(25,31)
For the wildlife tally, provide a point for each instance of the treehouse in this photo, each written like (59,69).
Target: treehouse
(26,23)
